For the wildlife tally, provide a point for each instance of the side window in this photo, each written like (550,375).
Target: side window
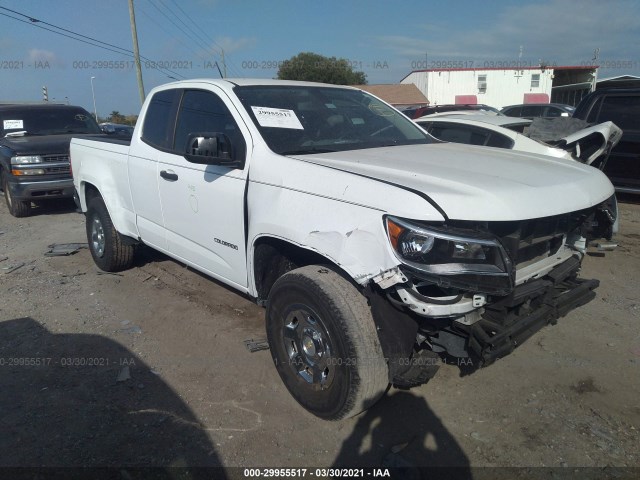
(499,141)
(513,112)
(159,119)
(621,110)
(202,111)
(595,109)
(449,132)
(425,125)
(531,111)
(553,112)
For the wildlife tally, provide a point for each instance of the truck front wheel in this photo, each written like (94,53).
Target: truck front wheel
(324,343)
(107,247)
(17,208)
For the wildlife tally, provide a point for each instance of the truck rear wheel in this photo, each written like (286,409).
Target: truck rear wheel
(324,343)
(106,245)
(17,208)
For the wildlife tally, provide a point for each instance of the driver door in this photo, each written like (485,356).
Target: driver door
(203,205)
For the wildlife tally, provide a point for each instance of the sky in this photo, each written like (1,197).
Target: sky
(386,40)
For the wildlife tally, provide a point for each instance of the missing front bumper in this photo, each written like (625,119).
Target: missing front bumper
(509,322)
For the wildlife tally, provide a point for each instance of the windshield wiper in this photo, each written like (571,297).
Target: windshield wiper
(77,130)
(21,133)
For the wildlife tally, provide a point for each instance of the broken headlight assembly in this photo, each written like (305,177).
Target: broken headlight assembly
(452,257)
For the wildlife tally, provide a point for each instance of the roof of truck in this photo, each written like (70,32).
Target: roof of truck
(243,82)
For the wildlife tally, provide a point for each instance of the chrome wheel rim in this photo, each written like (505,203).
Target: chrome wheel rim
(97,237)
(308,347)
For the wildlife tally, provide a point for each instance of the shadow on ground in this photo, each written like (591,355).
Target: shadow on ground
(402,432)
(63,405)
(53,207)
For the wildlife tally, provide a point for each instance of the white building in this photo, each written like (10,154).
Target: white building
(498,87)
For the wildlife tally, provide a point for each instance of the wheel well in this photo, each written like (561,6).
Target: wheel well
(90,192)
(273,258)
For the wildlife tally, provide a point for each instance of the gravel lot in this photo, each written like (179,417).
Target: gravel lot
(148,367)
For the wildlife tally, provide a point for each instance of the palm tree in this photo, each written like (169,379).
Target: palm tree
(116,117)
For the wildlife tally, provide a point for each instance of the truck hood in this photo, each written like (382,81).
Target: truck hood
(41,145)
(478,183)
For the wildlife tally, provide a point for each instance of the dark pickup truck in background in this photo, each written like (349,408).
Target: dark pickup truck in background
(34,152)
(622,107)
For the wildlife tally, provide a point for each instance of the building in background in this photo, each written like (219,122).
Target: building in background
(498,86)
(621,81)
(398,95)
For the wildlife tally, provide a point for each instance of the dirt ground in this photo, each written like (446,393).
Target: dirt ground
(149,368)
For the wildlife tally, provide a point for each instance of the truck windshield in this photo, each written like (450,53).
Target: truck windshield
(308,119)
(47,121)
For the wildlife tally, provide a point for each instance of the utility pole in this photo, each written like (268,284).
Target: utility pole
(426,89)
(136,52)
(596,54)
(224,66)
(93,94)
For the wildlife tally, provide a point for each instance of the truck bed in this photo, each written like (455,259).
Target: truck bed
(110,139)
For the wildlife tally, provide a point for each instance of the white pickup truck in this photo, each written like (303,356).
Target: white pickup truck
(376,249)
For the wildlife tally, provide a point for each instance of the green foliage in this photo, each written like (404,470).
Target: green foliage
(116,117)
(312,67)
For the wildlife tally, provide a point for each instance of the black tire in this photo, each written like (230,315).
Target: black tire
(17,208)
(109,251)
(324,343)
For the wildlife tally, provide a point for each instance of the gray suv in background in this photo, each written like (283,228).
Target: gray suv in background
(532,110)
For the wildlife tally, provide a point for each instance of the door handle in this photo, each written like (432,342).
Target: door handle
(169,175)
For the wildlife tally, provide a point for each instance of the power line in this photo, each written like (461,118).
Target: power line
(35,20)
(206,36)
(100,44)
(143,11)
(64,35)
(175,24)
(203,40)
(198,39)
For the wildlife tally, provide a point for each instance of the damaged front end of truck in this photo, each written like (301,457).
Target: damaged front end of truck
(473,291)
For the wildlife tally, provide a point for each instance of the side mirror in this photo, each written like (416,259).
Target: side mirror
(210,148)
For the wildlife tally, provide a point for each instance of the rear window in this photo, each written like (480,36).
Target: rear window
(469,135)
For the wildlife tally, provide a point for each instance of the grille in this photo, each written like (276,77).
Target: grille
(57,169)
(56,158)
(529,241)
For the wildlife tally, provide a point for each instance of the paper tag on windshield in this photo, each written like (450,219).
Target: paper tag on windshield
(277,118)
(9,124)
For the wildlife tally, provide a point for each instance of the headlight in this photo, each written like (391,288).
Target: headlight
(26,160)
(450,256)
(27,171)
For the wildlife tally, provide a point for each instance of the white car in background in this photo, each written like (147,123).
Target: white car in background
(589,145)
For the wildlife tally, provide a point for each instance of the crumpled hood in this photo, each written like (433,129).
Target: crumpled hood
(479,183)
